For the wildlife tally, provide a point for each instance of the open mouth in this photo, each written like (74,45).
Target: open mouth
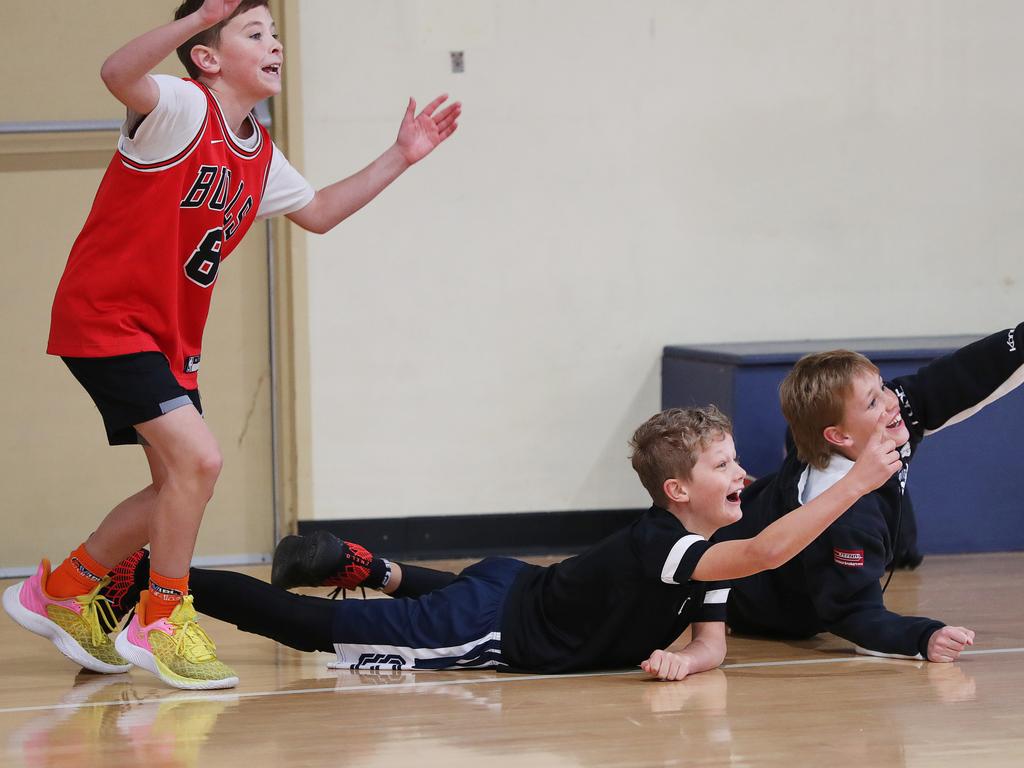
(733,498)
(272,69)
(895,422)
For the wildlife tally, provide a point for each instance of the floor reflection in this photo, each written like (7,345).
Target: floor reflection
(388,717)
(103,715)
(461,715)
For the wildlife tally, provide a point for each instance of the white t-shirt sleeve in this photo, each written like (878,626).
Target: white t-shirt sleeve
(287,190)
(168,129)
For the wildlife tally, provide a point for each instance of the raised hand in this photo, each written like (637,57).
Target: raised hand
(666,665)
(948,643)
(878,460)
(215,11)
(420,134)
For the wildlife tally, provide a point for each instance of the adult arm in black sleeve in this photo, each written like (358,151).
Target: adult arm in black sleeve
(957,385)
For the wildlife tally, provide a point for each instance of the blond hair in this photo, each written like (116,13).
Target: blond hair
(813,397)
(669,444)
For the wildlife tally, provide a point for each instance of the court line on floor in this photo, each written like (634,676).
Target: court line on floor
(185,697)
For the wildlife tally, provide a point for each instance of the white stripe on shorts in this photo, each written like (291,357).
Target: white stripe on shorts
(357,656)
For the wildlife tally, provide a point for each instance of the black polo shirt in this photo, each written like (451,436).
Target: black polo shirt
(612,605)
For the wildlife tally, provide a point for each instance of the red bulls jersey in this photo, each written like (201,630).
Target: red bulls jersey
(141,273)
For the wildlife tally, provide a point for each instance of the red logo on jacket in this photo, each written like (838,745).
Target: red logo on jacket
(849,558)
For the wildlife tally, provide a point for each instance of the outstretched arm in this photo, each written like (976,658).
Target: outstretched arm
(788,535)
(956,386)
(706,650)
(418,136)
(126,70)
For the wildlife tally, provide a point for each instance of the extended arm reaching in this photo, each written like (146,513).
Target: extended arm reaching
(418,136)
(788,535)
(958,385)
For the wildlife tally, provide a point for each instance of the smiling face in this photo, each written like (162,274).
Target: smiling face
(249,56)
(710,498)
(866,397)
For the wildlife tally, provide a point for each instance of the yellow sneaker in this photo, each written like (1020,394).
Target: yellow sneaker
(175,649)
(78,626)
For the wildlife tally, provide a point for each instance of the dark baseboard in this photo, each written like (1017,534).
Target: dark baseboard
(523,533)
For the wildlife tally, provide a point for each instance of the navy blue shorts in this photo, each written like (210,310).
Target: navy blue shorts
(129,390)
(456,627)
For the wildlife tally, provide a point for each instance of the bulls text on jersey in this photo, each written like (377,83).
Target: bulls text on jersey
(212,188)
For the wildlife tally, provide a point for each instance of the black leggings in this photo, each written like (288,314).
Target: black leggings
(417,580)
(298,621)
(302,622)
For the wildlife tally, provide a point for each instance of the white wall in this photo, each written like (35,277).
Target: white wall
(630,174)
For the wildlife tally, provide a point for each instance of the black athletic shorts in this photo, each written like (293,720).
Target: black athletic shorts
(130,390)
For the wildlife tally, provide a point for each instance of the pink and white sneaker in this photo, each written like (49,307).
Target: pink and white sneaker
(175,649)
(78,626)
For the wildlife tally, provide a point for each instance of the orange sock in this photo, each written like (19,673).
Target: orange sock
(78,574)
(165,594)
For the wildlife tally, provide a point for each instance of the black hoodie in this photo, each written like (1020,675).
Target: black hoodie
(833,585)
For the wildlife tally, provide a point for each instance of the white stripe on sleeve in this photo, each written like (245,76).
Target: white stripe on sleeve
(716,596)
(675,556)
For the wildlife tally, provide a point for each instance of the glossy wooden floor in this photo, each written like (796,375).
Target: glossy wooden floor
(772,704)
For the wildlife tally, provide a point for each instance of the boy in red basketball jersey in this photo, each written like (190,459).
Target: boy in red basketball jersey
(192,172)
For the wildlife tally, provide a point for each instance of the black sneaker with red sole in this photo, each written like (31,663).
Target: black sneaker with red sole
(320,559)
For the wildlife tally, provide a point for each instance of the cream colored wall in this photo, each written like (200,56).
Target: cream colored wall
(59,477)
(631,174)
